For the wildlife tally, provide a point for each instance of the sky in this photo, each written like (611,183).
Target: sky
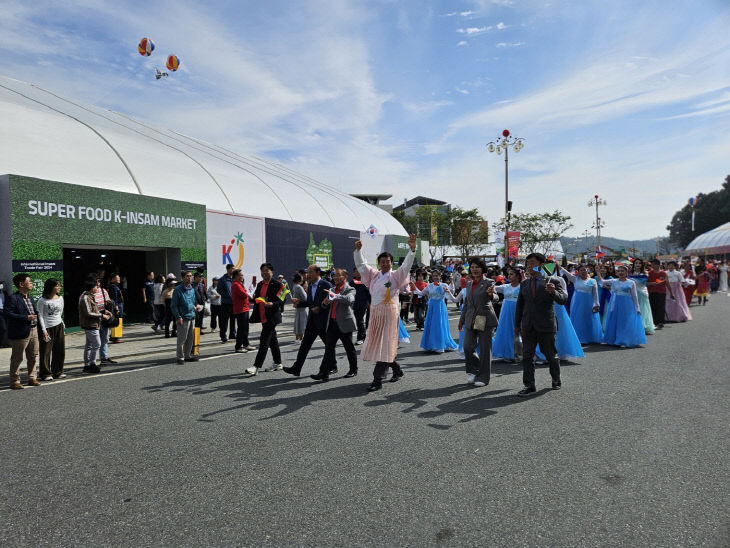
(629,100)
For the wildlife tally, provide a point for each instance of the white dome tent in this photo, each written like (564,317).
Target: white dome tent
(712,242)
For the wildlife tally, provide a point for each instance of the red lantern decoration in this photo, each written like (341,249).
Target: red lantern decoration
(505,133)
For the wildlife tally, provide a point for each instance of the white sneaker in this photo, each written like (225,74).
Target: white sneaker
(47,378)
(359,342)
(274,367)
(479,384)
(62,376)
(471,378)
(249,348)
(241,350)
(252,370)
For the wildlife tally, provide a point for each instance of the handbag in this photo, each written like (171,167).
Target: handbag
(110,322)
(479,323)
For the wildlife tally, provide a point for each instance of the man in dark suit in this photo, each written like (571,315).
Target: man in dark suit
(478,320)
(535,320)
(22,316)
(317,290)
(340,325)
(267,307)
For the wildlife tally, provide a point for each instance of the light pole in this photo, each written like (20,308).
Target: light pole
(599,224)
(587,233)
(499,145)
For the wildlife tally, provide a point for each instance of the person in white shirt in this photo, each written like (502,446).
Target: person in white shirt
(52,341)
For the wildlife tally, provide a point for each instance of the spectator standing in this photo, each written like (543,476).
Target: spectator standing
(52,340)
(117,300)
(299,300)
(90,318)
(148,298)
(3,325)
(214,298)
(104,303)
(159,304)
(22,318)
(226,312)
(167,299)
(200,298)
(183,311)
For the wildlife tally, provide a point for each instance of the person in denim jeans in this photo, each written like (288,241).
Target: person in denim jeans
(90,318)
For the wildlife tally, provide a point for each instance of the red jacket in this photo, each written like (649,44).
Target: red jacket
(240,298)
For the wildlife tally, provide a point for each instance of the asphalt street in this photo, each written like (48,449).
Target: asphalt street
(633,451)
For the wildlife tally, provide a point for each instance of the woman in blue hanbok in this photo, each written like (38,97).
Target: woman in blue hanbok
(436,332)
(403,335)
(566,341)
(503,344)
(584,307)
(624,327)
(640,277)
(604,295)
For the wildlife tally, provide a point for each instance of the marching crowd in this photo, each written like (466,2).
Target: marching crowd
(533,313)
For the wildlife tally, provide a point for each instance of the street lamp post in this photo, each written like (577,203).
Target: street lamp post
(599,224)
(499,145)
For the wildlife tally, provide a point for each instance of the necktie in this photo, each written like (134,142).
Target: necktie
(534,287)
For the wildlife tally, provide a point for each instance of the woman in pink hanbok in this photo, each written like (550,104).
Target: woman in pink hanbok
(676,304)
(381,340)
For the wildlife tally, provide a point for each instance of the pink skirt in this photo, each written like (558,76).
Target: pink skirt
(677,309)
(381,340)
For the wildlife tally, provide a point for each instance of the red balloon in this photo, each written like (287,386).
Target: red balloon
(505,133)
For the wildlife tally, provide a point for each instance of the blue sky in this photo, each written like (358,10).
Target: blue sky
(629,100)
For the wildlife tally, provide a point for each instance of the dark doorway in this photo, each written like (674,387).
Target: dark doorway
(79,263)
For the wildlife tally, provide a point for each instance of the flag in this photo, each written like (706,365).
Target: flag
(260,300)
(549,268)
(282,293)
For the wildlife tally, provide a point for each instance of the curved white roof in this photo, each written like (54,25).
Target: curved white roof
(712,242)
(46,136)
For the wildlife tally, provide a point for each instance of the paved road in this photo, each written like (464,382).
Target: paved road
(632,452)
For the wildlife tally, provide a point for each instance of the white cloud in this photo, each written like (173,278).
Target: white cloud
(473,31)
(462,43)
(501,26)
(510,44)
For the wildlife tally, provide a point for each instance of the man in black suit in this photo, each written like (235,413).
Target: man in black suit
(535,320)
(317,290)
(267,308)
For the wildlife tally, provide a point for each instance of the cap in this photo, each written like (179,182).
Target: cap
(215,279)
(171,276)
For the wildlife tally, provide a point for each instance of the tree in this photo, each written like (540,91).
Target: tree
(711,211)
(538,231)
(431,223)
(469,231)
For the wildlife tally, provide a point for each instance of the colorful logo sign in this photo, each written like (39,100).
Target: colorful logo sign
(226,250)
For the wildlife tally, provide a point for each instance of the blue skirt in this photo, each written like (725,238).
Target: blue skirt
(624,327)
(403,335)
(566,341)
(436,332)
(587,325)
(503,343)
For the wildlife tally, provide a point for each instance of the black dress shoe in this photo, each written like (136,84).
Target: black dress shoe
(320,377)
(376,385)
(332,371)
(557,385)
(192,359)
(527,390)
(351,374)
(291,371)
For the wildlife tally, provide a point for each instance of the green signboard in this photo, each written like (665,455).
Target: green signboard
(46,216)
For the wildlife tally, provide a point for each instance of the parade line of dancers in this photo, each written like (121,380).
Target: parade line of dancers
(539,319)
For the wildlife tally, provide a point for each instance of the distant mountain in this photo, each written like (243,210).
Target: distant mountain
(573,245)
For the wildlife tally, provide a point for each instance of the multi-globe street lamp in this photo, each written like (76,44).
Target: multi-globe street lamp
(502,144)
(599,224)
